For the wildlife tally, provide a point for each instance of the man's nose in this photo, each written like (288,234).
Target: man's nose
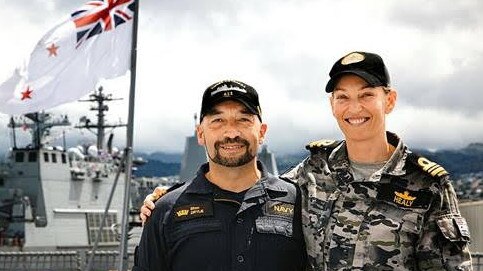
(232,130)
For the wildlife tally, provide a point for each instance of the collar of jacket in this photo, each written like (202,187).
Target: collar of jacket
(201,185)
(339,160)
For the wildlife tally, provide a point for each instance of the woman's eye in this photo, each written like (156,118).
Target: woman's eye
(341,97)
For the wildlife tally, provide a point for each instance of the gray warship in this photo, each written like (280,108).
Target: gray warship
(52,198)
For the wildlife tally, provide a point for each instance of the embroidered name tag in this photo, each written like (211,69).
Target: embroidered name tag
(404,197)
(194,210)
(280,209)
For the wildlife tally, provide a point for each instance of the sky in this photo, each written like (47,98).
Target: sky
(285,49)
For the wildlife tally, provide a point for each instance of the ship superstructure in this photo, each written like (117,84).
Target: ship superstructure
(53,197)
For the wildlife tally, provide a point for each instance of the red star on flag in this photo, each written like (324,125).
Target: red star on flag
(52,49)
(26,94)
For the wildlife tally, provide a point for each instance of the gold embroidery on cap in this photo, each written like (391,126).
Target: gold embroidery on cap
(352,58)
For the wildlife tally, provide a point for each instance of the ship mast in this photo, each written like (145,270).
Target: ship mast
(100,107)
(39,126)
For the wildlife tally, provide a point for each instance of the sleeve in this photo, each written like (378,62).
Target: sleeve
(298,173)
(299,235)
(150,254)
(443,244)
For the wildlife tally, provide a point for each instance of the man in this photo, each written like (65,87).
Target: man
(368,202)
(233,215)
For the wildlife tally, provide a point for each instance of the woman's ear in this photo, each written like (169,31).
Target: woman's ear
(391,99)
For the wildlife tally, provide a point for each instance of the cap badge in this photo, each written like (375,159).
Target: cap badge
(352,58)
(224,88)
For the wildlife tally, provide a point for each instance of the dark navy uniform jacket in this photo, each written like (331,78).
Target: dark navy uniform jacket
(199,226)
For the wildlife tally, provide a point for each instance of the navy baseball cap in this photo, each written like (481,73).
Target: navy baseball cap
(368,66)
(230,90)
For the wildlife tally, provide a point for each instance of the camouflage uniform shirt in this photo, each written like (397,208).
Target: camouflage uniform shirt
(404,217)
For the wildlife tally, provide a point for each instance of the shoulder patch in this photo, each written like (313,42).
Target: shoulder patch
(322,144)
(428,166)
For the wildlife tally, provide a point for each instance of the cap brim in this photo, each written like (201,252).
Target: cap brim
(250,107)
(372,80)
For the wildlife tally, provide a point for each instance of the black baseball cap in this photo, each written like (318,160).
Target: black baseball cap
(368,66)
(230,90)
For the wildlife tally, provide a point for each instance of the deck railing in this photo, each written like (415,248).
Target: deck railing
(103,261)
(60,260)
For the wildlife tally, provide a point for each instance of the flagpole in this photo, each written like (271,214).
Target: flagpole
(129,144)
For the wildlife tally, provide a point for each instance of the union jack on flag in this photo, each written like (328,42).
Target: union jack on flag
(98,16)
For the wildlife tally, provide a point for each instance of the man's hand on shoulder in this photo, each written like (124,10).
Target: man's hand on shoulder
(148,204)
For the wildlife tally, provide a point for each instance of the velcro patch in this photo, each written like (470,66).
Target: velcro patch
(403,197)
(462,226)
(280,209)
(193,210)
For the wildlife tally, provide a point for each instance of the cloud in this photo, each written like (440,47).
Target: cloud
(285,49)
(438,15)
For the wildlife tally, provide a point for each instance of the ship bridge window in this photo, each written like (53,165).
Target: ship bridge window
(46,157)
(19,156)
(33,156)
(54,157)
(108,235)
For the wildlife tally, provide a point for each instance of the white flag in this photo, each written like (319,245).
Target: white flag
(93,43)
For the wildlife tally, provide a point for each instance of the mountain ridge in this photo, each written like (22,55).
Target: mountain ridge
(465,160)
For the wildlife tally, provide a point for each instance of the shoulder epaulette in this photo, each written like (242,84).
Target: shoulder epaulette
(323,144)
(178,185)
(427,166)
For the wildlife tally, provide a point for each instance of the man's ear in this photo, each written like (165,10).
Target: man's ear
(200,135)
(263,131)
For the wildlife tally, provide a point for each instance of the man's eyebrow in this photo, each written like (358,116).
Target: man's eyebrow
(246,111)
(213,111)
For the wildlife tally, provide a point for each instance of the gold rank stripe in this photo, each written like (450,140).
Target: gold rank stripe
(321,143)
(431,167)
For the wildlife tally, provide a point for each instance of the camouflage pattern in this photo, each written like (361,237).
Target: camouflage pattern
(404,217)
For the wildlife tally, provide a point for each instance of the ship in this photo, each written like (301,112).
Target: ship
(53,198)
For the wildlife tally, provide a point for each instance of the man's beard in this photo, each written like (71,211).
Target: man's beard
(235,161)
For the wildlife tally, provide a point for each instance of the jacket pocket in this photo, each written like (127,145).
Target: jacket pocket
(274,225)
(454,227)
